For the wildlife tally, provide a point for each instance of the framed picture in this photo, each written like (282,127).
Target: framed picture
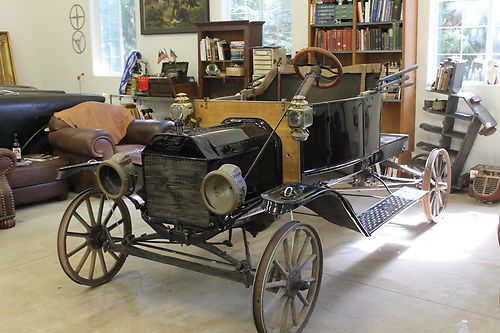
(7,73)
(172,16)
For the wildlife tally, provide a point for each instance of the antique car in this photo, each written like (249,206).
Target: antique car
(243,174)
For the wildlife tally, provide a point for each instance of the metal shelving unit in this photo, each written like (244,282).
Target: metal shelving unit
(479,121)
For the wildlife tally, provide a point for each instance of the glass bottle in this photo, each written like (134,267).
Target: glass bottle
(16,148)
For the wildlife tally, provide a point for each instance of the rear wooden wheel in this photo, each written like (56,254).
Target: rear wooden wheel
(82,243)
(288,279)
(437,181)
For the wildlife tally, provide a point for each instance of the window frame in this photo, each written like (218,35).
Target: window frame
(433,36)
(226,16)
(97,59)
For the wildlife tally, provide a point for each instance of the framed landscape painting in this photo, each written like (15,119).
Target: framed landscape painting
(172,16)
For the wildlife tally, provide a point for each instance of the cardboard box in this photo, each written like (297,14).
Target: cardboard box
(235,71)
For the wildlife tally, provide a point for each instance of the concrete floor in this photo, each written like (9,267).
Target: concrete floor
(411,276)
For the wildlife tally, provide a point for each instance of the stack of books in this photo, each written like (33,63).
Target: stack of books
(380,38)
(327,12)
(380,10)
(214,49)
(443,76)
(334,40)
(237,49)
(388,69)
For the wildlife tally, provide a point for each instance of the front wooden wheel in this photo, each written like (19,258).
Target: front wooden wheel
(437,181)
(288,279)
(82,242)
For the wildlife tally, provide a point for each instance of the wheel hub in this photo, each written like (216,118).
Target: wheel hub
(295,283)
(97,237)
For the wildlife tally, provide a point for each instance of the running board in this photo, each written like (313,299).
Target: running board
(335,208)
(383,211)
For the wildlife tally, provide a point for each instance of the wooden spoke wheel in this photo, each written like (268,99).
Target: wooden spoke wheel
(288,279)
(330,67)
(437,181)
(82,242)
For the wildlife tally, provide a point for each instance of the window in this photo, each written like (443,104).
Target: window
(469,30)
(277,30)
(114,36)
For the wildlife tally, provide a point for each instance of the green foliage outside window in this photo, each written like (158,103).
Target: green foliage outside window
(276,14)
(462,32)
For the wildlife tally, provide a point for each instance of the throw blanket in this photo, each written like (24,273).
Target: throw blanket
(112,118)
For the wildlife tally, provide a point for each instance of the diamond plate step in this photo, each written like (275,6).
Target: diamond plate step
(380,213)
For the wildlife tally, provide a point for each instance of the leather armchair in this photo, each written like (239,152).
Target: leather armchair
(79,145)
(7,208)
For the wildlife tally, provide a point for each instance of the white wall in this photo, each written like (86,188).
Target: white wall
(41,42)
(18,18)
(41,38)
(486,150)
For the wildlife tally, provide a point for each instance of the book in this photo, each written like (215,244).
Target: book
(360,12)
(40,157)
(368,10)
(23,163)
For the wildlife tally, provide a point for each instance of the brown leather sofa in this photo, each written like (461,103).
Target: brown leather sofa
(7,208)
(27,184)
(79,145)
(28,114)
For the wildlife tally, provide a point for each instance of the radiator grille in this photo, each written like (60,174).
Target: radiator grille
(173,189)
(486,185)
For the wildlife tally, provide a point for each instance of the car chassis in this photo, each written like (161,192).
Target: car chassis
(287,279)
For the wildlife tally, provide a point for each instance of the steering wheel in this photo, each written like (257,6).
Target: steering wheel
(330,66)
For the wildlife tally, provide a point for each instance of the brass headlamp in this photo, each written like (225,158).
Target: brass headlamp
(300,117)
(180,108)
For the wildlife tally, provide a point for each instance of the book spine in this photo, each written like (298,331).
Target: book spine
(382,14)
(368,10)
(360,16)
(400,10)
(388,11)
(203,55)
(379,11)
(349,40)
(373,16)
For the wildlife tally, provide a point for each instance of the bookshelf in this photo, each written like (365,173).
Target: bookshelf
(389,35)
(230,75)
